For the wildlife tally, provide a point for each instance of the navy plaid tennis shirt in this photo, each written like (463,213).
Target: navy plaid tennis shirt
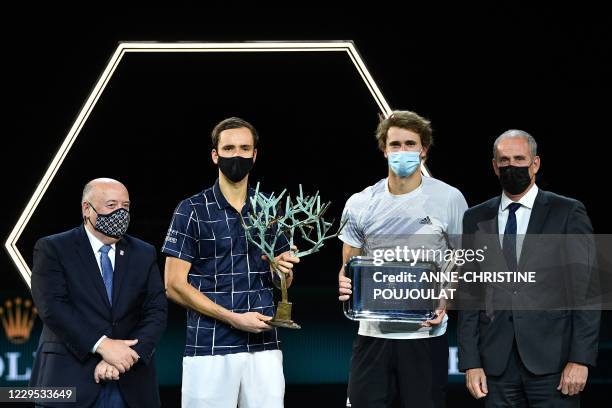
(207,232)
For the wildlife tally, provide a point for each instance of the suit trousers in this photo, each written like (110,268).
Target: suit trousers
(517,387)
(109,397)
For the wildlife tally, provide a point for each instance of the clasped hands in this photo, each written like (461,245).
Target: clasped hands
(118,357)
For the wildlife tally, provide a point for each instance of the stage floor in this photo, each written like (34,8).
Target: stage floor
(334,396)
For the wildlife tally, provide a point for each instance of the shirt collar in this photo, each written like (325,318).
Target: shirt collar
(95,243)
(526,201)
(222,202)
(410,194)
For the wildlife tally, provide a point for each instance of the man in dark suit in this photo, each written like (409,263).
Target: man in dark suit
(528,347)
(101,299)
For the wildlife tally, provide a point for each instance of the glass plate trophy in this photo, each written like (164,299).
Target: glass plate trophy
(267,223)
(392,292)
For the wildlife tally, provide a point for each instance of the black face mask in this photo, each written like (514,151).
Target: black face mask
(235,168)
(514,179)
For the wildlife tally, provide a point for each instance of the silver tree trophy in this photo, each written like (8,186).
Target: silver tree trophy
(267,222)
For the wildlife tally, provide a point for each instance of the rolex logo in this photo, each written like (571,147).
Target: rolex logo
(18,318)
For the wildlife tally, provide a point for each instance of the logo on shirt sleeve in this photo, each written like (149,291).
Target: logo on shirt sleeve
(170,238)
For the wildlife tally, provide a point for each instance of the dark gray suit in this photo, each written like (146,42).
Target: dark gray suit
(513,329)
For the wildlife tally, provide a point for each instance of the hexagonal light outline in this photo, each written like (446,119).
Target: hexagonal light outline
(125,47)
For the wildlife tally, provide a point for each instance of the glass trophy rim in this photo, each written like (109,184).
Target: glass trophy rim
(374,317)
(386,316)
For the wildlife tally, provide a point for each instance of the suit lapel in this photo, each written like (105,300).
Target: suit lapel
(537,219)
(90,265)
(122,256)
(538,213)
(488,225)
(488,229)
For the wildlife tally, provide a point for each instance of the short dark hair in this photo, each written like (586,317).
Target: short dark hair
(232,123)
(404,120)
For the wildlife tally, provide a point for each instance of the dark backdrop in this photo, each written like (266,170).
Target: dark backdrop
(474,72)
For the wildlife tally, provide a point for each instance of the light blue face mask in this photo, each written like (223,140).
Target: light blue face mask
(404,163)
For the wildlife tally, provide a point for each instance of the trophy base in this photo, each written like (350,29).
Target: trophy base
(282,318)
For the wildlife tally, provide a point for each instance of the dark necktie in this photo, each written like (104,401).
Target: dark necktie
(107,271)
(509,241)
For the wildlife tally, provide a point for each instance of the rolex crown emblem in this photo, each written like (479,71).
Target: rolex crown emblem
(18,318)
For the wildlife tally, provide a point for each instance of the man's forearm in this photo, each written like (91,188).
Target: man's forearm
(584,343)
(95,347)
(467,340)
(80,342)
(51,297)
(189,297)
(153,321)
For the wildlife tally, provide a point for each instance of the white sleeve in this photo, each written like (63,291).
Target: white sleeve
(95,347)
(456,208)
(352,233)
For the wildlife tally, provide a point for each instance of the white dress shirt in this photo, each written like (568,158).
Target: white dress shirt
(96,244)
(523,214)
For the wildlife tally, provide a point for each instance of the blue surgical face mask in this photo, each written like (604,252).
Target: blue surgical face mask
(404,163)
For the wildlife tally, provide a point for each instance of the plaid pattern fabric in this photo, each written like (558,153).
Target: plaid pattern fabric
(207,232)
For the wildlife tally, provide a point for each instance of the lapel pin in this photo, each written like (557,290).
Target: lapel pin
(121,252)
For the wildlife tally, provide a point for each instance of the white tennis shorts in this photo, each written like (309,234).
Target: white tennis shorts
(246,380)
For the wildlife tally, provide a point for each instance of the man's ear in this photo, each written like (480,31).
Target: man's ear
(85,210)
(254,154)
(536,164)
(214,156)
(424,151)
(495,168)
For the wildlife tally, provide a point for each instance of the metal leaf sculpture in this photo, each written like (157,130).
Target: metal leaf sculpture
(268,221)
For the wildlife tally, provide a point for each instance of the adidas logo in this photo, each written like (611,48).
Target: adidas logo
(18,318)
(425,220)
